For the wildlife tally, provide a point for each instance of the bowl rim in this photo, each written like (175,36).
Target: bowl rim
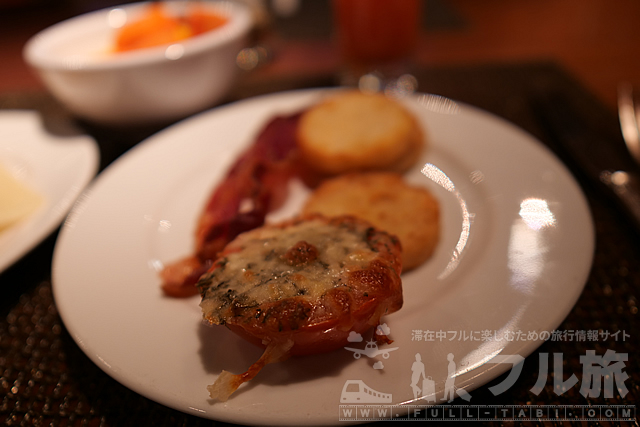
(37,54)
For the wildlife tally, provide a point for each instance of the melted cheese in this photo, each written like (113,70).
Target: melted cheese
(258,274)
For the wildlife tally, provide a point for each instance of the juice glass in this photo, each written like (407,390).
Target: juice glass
(376,36)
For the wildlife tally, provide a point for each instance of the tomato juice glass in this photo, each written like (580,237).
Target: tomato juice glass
(376,36)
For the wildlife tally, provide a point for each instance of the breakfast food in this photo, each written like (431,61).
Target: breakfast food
(305,285)
(385,200)
(255,185)
(300,287)
(17,200)
(353,131)
(332,136)
(159,27)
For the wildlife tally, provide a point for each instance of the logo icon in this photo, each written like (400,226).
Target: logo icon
(371,350)
(427,390)
(356,391)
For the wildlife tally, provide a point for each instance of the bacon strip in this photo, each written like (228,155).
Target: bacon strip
(254,186)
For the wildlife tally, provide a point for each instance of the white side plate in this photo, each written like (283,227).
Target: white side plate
(58,168)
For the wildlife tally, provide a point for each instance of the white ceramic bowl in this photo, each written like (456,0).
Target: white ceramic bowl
(74,60)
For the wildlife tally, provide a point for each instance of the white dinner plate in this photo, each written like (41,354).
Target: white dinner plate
(516,246)
(56,167)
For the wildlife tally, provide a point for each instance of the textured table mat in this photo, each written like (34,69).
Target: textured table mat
(45,379)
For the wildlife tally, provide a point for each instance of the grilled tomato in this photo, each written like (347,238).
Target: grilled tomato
(300,287)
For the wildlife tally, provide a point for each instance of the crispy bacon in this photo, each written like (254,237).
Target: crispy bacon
(254,186)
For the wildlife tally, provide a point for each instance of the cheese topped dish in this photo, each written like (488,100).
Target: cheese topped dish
(301,287)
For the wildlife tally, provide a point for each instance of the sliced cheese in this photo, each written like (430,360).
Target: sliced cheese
(17,200)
